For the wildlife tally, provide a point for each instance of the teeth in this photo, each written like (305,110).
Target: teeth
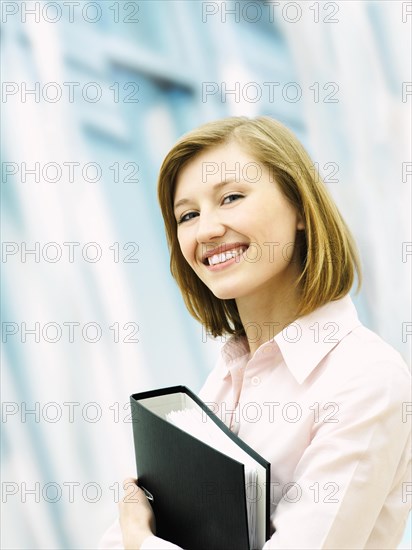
(229,254)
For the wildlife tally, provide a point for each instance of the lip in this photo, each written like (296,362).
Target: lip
(220,249)
(224,265)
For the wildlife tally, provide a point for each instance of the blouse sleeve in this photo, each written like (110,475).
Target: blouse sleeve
(112,540)
(352,480)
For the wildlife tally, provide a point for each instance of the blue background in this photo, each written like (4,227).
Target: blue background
(333,72)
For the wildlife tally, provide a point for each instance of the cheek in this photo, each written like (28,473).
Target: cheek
(186,247)
(281,226)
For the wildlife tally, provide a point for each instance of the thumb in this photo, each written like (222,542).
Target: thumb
(129,485)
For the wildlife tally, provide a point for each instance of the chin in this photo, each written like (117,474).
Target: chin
(226,293)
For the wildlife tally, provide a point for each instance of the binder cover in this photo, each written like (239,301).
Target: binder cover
(199,493)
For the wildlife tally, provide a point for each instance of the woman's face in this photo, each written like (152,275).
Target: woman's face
(235,228)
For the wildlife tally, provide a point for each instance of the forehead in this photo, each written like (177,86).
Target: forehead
(217,164)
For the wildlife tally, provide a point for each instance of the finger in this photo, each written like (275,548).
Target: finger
(129,484)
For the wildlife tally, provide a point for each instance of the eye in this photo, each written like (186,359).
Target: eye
(187,217)
(233,197)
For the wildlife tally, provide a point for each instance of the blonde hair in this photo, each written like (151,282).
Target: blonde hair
(327,251)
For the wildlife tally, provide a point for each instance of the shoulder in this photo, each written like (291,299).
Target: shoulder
(363,359)
(365,347)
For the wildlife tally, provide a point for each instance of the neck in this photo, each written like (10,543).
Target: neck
(267,314)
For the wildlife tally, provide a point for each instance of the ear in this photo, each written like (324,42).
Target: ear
(300,223)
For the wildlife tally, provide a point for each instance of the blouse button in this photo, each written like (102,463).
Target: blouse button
(255,381)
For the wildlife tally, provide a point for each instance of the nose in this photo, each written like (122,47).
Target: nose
(209,226)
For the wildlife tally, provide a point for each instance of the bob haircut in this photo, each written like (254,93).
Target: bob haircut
(326,249)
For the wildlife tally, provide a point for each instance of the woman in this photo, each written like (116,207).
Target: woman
(261,253)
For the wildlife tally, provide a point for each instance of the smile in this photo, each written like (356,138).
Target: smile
(226,256)
(224,259)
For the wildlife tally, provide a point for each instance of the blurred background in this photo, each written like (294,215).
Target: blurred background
(93,96)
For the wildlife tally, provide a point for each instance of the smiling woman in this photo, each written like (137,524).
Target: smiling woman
(256,240)
(234,236)
(282,184)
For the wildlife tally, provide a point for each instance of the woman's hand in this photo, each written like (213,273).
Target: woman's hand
(136,516)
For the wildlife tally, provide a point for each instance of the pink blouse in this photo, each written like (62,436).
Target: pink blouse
(328,403)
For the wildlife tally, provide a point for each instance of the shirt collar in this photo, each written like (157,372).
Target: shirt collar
(303,343)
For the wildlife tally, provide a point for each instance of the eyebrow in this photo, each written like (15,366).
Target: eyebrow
(216,187)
